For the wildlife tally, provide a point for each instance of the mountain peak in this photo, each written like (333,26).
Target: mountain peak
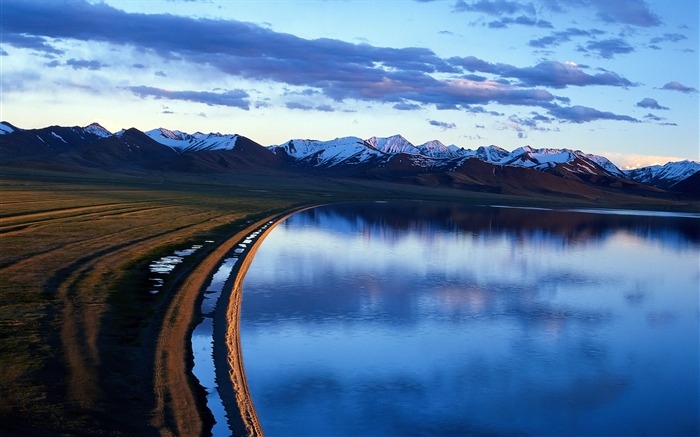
(393,144)
(183,142)
(97,129)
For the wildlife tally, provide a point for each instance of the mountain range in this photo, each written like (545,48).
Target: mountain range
(488,168)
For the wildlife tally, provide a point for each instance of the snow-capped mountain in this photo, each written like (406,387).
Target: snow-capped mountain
(666,175)
(435,149)
(493,154)
(98,130)
(325,154)
(394,158)
(183,142)
(393,144)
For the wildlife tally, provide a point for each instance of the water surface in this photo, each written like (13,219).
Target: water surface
(429,319)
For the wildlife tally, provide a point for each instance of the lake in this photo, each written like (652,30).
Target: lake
(421,318)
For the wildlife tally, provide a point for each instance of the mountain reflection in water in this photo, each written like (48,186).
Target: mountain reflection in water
(425,319)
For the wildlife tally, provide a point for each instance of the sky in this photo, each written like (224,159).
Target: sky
(617,78)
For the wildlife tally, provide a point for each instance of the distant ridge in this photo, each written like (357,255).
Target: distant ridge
(488,168)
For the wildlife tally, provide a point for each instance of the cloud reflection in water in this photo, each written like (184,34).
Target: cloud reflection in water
(423,319)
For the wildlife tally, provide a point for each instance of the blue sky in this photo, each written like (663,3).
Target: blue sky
(618,78)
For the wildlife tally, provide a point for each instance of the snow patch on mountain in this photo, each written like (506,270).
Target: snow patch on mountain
(55,135)
(664,175)
(393,144)
(493,154)
(183,142)
(435,149)
(5,129)
(347,150)
(606,164)
(98,130)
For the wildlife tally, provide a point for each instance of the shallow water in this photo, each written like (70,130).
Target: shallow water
(428,319)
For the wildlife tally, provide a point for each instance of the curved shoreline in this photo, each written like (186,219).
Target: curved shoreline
(179,397)
(231,381)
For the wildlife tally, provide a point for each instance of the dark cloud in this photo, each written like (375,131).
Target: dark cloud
(548,73)
(231,98)
(677,86)
(138,66)
(583,114)
(521,20)
(559,37)
(405,106)
(532,122)
(608,48)
(77,64)
(481,110)
(670,37)
(653,117)
(3,52)
(633,12)
(31,42)
(300,106)
(84,64)
(494,7)
(650,103)
(442,124)
(630,12)
(338,69)
(305,107)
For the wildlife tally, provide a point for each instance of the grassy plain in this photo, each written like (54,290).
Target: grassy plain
(80,335)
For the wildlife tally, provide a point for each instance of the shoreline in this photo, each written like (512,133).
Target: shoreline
(174,362)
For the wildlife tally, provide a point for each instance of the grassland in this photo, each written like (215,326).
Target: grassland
(81,339)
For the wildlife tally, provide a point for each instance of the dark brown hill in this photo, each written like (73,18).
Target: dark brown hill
(246,154)
(689,186)
(42,143)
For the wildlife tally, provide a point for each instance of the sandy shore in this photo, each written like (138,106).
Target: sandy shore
(176,407)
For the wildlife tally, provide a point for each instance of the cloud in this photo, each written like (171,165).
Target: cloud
(628,161)
(653,117)
(84,64)
(547,73)
(583,114)
(630,12)
(305,107)
(31,42)
(77,64)
(521,20)
(300,106)
(494,7)
(442,124)
(633,12)
(231,98)
(532,122)
(404,106)
(608,48)
(650,103)
(337,69)
(677,86)
(671,37)
(560,37)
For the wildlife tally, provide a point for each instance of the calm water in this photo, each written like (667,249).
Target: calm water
(425,319)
